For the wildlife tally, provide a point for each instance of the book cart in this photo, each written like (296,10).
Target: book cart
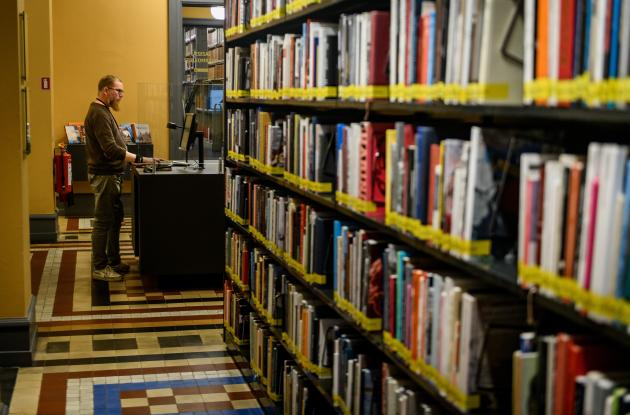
(569,128)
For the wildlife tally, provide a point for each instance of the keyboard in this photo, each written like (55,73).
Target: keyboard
(177,163)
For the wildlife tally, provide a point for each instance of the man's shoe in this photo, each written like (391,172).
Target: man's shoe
(121,268)
(106,274)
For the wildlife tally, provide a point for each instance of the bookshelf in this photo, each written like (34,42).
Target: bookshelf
(326,296)
(567,128)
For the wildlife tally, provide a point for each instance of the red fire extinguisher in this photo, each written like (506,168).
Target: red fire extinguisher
(63,172)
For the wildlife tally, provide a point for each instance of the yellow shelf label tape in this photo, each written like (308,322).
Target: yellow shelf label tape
(567,288)
(359,205)
(368,324)
(452,392)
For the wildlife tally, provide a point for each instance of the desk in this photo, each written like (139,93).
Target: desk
(178,220)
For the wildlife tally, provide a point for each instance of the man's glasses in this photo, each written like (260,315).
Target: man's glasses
(120,91)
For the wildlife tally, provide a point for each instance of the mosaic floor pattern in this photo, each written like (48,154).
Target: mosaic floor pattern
(130,347)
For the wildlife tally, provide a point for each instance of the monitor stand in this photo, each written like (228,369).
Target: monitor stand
(199,138)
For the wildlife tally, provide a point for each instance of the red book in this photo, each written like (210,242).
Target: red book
(416,277)
(434,160)
(379,53)
(426,37)
(563,341)
(420,63)
(409,140)
(573,209)
(567,38)
(244,274)
(582,358)
(376,149)
(364,164)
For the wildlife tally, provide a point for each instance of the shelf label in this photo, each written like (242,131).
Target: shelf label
(233,216)
(562,287)
(368,324)
(355,203)
(341,404)
(364,92)
(452,392)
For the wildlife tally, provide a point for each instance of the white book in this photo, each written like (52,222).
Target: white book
(459,193)
(364,27)
(553,48)
(477,152)
(453,40)
(598,43)
(466,63)
(402,42)
(469,328)
(392,386)
(393,43)
(349,381)
(592,168)
(446,333)
(612,173)
(592,378)
(494,67)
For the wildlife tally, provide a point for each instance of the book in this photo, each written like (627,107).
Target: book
(73,134)
(141,132)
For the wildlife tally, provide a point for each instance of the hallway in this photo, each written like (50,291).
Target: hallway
(138,346)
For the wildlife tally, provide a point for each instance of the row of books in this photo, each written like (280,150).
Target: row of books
(577,50)
(304,61)
(363,384)
(266,356)
(327,343)
(215,37)
(277,374)
(297,231)
(132,132)
(244,14)
(235,312)
(432,185)
(454,331)
(575,218)
(568,374)
(454,52)
(433,312)
(75,132)
(299,145)
(258,274)
(430,314)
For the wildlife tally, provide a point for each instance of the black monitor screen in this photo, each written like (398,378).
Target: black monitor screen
(188,132)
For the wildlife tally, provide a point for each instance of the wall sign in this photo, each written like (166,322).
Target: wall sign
(45,83)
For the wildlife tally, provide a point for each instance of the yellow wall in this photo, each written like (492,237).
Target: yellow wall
(42,196)
(14,249)
(125,38)
(196,13)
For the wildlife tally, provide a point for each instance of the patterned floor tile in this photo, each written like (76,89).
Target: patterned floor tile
(124,348)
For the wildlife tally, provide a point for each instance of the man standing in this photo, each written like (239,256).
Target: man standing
(107,159)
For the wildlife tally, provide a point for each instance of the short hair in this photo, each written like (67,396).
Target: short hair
(107,80)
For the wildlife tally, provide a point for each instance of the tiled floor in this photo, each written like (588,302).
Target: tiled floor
(131,347)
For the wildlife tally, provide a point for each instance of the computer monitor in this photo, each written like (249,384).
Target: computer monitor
(189,135)
(188,132)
